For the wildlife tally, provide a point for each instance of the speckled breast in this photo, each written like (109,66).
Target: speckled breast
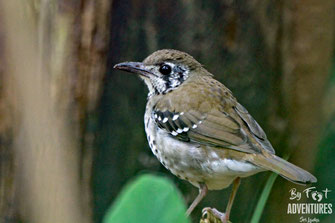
(171,152)
(191,161)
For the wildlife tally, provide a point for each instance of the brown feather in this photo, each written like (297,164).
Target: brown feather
(283,168)
(212,110)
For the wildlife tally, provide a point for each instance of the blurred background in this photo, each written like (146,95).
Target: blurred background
(71,127)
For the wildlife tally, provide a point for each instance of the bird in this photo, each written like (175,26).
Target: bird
(200,132)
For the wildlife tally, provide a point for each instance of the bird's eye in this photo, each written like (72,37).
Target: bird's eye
(165,69)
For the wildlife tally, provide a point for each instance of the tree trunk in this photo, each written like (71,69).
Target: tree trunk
(55,60)
(301,45)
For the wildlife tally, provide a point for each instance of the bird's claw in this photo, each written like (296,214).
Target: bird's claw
(212,215)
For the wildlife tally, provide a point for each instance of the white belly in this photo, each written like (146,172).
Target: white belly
(193,162)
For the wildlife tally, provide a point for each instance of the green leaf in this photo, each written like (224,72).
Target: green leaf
(148,199)
(264,197)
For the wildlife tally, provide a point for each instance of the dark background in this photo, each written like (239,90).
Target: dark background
(266,59)
(71,127)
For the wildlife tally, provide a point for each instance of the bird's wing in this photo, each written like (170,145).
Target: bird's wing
(213,128)
(253,127)
(227,126)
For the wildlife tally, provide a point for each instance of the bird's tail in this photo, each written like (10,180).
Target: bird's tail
(285,169)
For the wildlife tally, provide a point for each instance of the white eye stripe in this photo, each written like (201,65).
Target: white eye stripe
(159,118)
(172,65)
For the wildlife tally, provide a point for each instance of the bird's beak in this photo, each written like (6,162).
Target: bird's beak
(134,67)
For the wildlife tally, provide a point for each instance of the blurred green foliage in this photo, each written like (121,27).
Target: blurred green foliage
(263,198)
(149,199)
(325,168)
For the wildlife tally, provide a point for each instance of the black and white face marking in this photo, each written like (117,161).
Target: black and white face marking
(168,76)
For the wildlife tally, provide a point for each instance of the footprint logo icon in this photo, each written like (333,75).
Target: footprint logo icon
(317,196)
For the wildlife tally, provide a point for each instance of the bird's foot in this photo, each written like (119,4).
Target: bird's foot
(212,215)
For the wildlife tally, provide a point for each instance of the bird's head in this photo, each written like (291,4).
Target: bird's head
(164,70)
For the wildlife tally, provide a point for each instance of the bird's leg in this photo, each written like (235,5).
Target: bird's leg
(202,193)
(236,184)
(224,217)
